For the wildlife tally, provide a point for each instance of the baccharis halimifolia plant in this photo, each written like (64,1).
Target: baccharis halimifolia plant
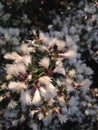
(44,88)
(46,81)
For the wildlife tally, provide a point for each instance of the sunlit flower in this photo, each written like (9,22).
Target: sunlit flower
(68,81)
(60,45)
(44,93)
(72,73)
(43,48)
(59,70)
(61,100)
(13,56)
(50,89)
(27,60)
(25,97)
(16,86)
(37,98)
(44,62)
(1,98)
(40,116)
(25,49)
(45,80)
(68,54)
(87,112)
(11,69)
(15,69)
(44,38)
(59,62)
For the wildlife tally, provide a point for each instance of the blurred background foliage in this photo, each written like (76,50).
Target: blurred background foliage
(36,11)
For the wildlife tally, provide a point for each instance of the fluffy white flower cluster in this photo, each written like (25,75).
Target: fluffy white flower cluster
(46,81)
(38,83)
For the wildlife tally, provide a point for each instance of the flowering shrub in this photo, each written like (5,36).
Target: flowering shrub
(46,81)
(43,85)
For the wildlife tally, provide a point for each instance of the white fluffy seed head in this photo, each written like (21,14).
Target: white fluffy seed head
(44,62)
